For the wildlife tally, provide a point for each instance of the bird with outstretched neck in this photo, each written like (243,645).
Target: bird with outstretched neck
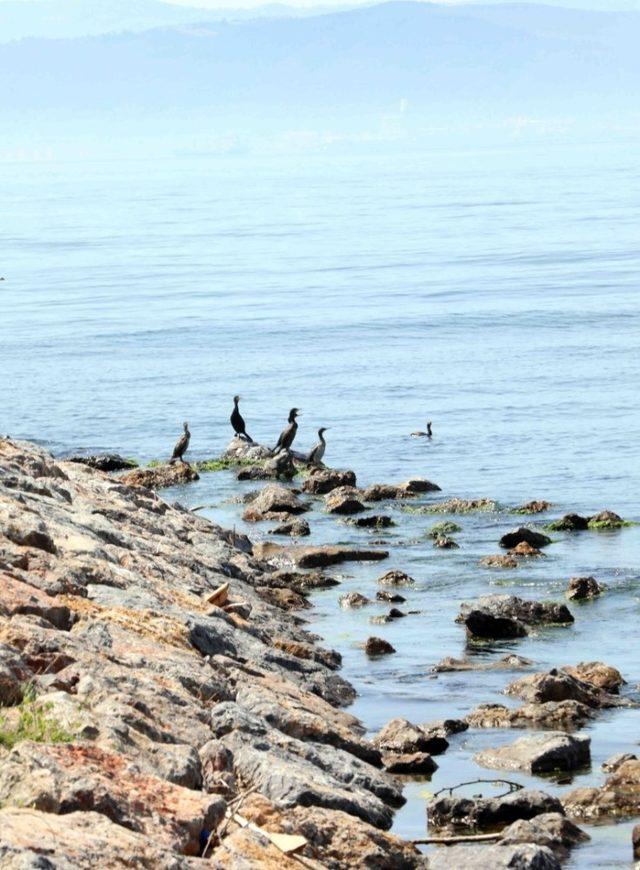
(315,457)
(237,421)
(181,447)
(427,434)
(287,436)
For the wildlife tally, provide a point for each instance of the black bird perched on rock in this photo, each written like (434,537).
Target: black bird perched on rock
(427,434)
(181,446)
(315,457)
(237,421)
(288,435)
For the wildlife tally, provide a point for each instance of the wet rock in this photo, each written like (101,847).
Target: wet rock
(274,502)
(380,492)
(396,578)
(499,561)
(317,557)
(558,685)
(278,467)
(580,588)
(285,599)
(401,737)
(354,599)
(392,597)
(517,610)
(323,480)
(344,500)
(444,727)
(394,613)
(541,753)
(533,507)
(419,485)
(618,797)
(104,461)
(462,506)
(597,674)
(375,521)
(510,661)
(445,543)
(563,714)
(613,763)
(483,813)
(293,528)
(635,842)
(161,476)
(413,764)
(526,550)
(523,534)
(525,856)
(569,523)
(301,581)
(391,491)
(69,778)
(442,529)
(486,626)
(606,520)
(378,646)
(549,829)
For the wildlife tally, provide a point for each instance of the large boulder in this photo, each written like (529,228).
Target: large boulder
(540,753)
(323,480)
(344,500)
(524,534)
(508,615)
(618,797)
(597,674)
(411,764)
(278,467)
(553,830)
(403,738)
(484,625)
(559,685)
(273,503)
(483,813)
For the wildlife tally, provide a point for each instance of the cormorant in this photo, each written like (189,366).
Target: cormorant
(237,421)
(315,457)
(181,446)
(288,435)
(427,434)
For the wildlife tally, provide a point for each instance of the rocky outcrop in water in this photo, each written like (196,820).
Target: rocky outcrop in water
(506,616)
(148,681)
(539,753)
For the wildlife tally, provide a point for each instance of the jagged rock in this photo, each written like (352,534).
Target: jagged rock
(401,737)
(396,578)
(569,523)
(501,560)
(18,597)
(533,507)
(378,646)
(487,626)
(445,543)
(559,685)
(525,856)
(526,550)
(541,753)
(161,476)
(104,462)
(605,520)
(293,528)
(353,599)
(580,588)
(492,813)
(274,503)
(510,661)
(597,674)
(619,796)
(391,597)
(413,764)
(562,714)
(613,763)
(374,521)
(526,535)
(323,480)
(549,829)
(14,675)
(344,500)
(508,616)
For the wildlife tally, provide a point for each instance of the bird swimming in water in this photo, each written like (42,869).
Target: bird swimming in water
(315,457)
(181,447)
(288,435)
(427,434)
(237,421)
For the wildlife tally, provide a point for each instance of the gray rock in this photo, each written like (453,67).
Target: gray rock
(274,502)
(413,764)
(293,528)
(483,813)
(549,829)
(540,753)
(513,857)
(514,608)
(344,500)
(323,480)
(401,737)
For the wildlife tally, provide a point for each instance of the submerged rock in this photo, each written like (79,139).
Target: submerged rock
(569,523)
(606,520)
(580,588)
(445,543)
(499,561)
(510,661)
(540,753)
(483,813)
(525,549)
(354,599)
(523,534)
(392,491)
(293,528)
(462,506)
(444,528)
(160,477)
(392,597)
(323,480)
(538,506)
(396,578)
(375,521)
(507,616)
(378,646)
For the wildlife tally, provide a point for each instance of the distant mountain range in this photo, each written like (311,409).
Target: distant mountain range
(422,62)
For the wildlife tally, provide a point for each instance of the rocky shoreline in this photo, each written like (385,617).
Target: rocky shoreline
(161,696)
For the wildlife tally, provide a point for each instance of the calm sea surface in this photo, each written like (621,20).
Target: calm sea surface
(493,292)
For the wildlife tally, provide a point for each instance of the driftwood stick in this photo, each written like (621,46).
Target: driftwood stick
(449,841)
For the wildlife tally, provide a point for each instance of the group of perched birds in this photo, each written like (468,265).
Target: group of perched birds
(285,441)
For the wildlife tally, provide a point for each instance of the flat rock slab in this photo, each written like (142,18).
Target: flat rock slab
(412,764)
(552,714)
(508,856)
(484,813)
(316,557)
(540,753)
(104,462)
